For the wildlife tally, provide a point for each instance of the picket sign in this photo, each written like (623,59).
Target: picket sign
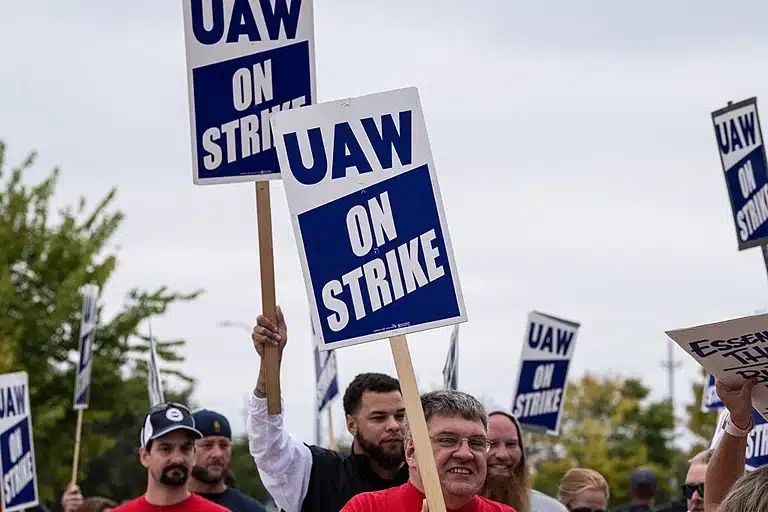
(733,351)
(18,468)
(371,234)
(245,61)
(84,367)
(548,346)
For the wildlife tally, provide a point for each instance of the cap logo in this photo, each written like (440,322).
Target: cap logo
(174,414)
(216,426)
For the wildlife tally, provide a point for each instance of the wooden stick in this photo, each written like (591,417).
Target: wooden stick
(331,439)
(268,302)
(418,425)
(76,456)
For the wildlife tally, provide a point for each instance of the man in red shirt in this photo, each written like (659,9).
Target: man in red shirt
(458,428)
(168,452)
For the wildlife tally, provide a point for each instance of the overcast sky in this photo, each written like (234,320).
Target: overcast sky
(573,144)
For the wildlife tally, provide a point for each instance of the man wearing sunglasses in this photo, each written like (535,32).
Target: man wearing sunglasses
(693,488)
(168,452)
(458,428)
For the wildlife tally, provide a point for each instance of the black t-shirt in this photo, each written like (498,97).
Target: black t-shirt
(234,500)
(336,477)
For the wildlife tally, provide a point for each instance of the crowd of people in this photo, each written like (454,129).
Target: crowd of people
(479,456)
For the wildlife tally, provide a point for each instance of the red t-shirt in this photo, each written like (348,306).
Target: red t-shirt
(193,503)
(407,498)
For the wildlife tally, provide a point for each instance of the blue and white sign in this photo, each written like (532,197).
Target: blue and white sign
(742,154)
(85,352)
(326,370)
(17,451)
(368,218)
(709,400)
(451,367)
(246,59)
(548,347)
(757,440)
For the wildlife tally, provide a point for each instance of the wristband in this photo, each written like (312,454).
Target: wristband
(732,430)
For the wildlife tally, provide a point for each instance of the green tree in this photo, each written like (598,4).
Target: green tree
(701,424)
(608,425)
(244,471)
(45,259)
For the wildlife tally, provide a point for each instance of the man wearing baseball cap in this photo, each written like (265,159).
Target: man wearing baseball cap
(213,453)
(168,452)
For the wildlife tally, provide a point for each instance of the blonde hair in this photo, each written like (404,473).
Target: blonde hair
(749,493)
(579,480)
(703,457)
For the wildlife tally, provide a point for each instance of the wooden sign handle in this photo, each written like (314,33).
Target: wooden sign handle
(268,301)
(76,456)
(418,425)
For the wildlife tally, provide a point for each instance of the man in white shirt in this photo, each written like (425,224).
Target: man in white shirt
(304,478)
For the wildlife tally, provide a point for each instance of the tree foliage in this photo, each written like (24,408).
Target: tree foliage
(45,260)
(608,425)
(701,424)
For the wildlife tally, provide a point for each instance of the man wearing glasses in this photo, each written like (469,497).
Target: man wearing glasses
(458,428)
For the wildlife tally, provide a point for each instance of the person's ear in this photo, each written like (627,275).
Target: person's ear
(144,457)
(351,425)
(410,452)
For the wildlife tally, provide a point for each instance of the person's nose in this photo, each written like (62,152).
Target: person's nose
(393,425)
(463,452)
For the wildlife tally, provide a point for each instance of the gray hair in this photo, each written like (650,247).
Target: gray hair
(749,493)
(450,403)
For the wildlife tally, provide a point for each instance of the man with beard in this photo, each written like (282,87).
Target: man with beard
(212,456)
(312,479)
(457,426)
(508,479)
(168,452)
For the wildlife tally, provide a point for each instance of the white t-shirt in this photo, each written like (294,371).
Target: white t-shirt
(540,502)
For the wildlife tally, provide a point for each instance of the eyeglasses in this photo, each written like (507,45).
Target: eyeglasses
(689,489)
(477,444)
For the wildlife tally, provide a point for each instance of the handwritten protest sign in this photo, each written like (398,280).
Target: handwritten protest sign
(733,351)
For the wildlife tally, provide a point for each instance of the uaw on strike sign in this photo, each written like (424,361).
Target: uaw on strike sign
(369,223)
(548,347)
(742,153)
(17,453)
(246,59)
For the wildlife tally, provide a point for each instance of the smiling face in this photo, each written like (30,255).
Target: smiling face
(462,467)
(505,453)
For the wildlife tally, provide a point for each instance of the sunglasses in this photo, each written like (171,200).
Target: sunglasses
(689,489)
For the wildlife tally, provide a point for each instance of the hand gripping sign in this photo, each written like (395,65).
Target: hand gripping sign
(247,59)
(371,233)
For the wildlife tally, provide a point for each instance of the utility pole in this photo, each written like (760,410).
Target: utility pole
(671,366)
